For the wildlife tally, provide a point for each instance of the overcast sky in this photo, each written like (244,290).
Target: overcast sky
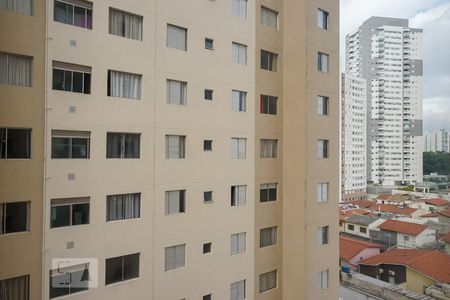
(433,16)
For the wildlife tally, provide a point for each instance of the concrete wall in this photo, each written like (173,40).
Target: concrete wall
(416,281)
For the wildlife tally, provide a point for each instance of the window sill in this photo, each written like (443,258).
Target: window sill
(122,282)
(124,220)
(70,295)
(14,234)
(69,226)
(14,159)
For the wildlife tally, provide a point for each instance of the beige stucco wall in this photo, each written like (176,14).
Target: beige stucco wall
(22,180)
(416,281)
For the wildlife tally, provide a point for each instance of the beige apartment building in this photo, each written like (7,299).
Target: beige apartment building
(188,150)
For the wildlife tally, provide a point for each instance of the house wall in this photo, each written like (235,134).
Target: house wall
(425,237)
(443,219)
(416,281)
(386,237)
(357,230)
(366,253)
(373,271)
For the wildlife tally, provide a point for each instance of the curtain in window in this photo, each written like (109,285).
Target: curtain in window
(173,199)
(15,288)
(20,6)
(125,85)
(176,37)
(175,146)
(132,146)
(235,101)
(116,22)
(133,27)
(126,206)
(268,148)
(239,53)
(176,92)
(241,148)
(15,69)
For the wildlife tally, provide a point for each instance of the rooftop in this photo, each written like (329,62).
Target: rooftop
(429,215)
(437,202)
(445,212)
(433,264)
(389,208)
(349,247)
(344,214)
(362,203)
(402,227)
(446,238)
(361,220)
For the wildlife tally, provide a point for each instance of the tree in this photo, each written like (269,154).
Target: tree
(436,162)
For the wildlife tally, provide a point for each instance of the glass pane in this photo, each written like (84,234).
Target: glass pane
(89,19)
(131,266)
(113,271)
(80,148)
(58,79)
(16,217)
(18,143)
(80,214)
(77,82)
(60,216)
(272,194)
(132,145)
(114,141)
(87,83)
(79,16)
(79,281)
(68,81)
(273,105)
(59,285)
(60,147)
(60,12)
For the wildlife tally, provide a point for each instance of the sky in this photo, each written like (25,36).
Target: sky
(433,16)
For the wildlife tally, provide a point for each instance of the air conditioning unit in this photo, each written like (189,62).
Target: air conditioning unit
(391,273)
(380,271)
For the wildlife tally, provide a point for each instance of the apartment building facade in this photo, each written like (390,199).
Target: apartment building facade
(436,140)
(388,54)
(174,163)
(354,137)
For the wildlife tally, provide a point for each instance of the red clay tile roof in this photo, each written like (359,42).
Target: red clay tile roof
(445,212)
(362,203)
(446,238)
(429,215)
(436,202)
(349,247)
(384,208)
(433,264)
(384,196)
(402,227)
(407,211)
(344,214)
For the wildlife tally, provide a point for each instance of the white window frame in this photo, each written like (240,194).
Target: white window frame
(171,145)
(323,192)
(323,279)
(239,8)
(238,148)
(178,255)
(239,53)
(238,243)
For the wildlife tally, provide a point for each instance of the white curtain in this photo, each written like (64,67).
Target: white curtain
(125,206)
(125,85)
(237,290)
(15,69)
(175,146)
(269,148)
(176,92)
(15,288)
(173,202)
(124,24)
(20,6)
(239,8)
(176,37)
(239,53)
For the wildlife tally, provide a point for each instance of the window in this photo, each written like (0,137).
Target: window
(239,52)
(238,243)
(268,105)
(209,44)
(269,148)
(237,290)
(207,297)
(322,148)
(70,280)
(125,24)
(240,8)
(238,148)
(322,105)
(208,94)
(207,145)
(268,236)
(17,288)
(351,227)
(175,146)
(71,78)
(176,92)
(269,17)
(207,248)
(405,238)
(239,100)
(175,202)
(322,280)
(15,143)
(123,207)
(176,37)
(174,257)
(363,229)
(322,192)
(70,144)
(322,19)
(18,6)
(14,217)
(69,212)
(15,69)
(269,60)
(124,85)
(322,235)
(208,197)
(267,281)
(123,145)
(238,195)
(73,12)
(268,192)
(122,268)
(322,62)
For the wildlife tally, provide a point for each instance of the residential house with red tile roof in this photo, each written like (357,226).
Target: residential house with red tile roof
(351,251)
(446,240)
(344,214)
(405,234)
(430,217)
(360,226)
(433,205)
(411,268)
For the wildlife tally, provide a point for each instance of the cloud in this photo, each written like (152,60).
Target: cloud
(433,16)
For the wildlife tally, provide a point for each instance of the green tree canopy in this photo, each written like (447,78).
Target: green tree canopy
(436,162)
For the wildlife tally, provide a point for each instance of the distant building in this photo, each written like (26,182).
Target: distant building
(351,251)
(436,140)
(388,54)
(414,269)
(354,141)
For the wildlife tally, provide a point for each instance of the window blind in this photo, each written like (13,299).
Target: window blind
(267,281)
(269,17)
(176,37)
